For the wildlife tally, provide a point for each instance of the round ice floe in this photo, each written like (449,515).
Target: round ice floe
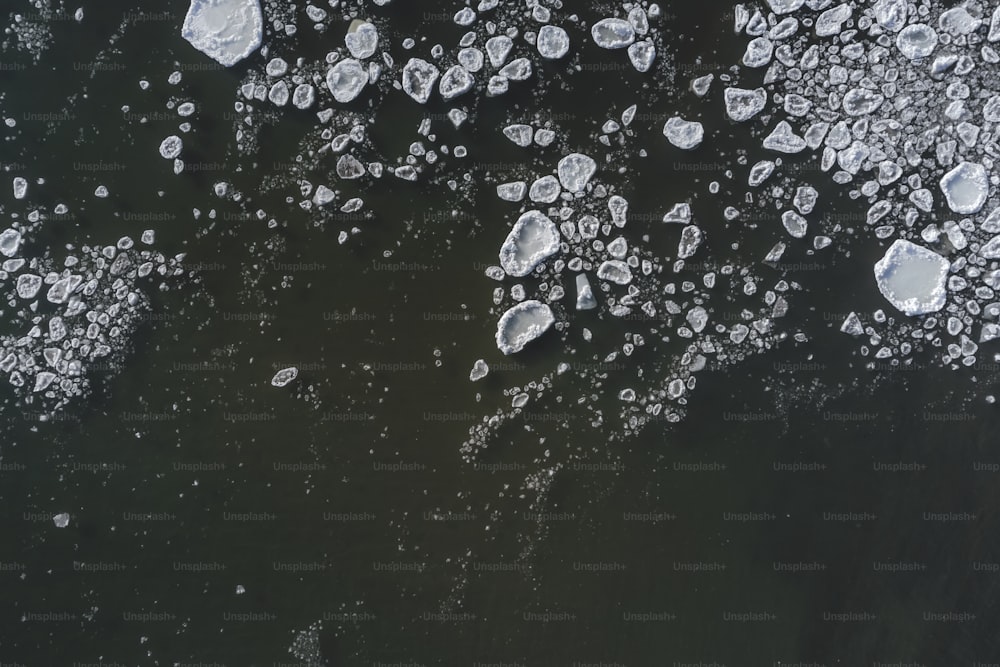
(575,171)
(284,376)
(533,239)
(346,79)
(965,187)
(28,285)
(419,77)
(912,278)
(684,134)
(743,104)
(544,190)
(498,48)
(171,147)
(456,81)
(641,55)
(917,41)
(225,30)
(552,42)
(276,67)
(10,241)
(613,33)
(471,59)
(304,96)
(522,324)
(361,39)
(278,94)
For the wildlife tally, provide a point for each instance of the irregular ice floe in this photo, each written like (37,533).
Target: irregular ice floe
(965,188)
(552,42)
(575,171)
(533,239)
(522,324)
(479,370)
(284,376)
(742,104)
(612,33)
(456,81)
(362,39)
(784,140)
(683,134)
(346,79)
(584,294)
(917,40)
(225,30)
(419,77)
(912,278)
(784,6)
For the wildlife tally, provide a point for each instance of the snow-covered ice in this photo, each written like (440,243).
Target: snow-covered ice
(346,80)
(912,278)
(533,239)
(613,33)
(965,188)
(575,171)
(284,376)
(225,30)
(361,39)
(522,324)
(552,42)
(684,134)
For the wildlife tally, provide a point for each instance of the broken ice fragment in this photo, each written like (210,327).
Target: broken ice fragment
(912,278)
(456,81)
(419,77)
(479,371)
(522,324)
(533,239)
(584,294)
(691,238)
(284,376)
(10,241)
(575,171)
(783,140)
(225,30)
(683,134)
(613,33)
(965,187)
(361,39)
(346,79)
(61,520)
(615,271)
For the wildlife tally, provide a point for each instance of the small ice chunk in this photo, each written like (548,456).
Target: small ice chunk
(419,77)
(456,81)
(760,172)
(522,324)
(10,242)
(912,278)
(61,520)
(784,6)
(917,41)
(20,187)
(852,325)
(276,67)
(584,294)
(479,371)
(28,285)
(613,33)
(498,48)
(362,39)
(514,191)
(575,171)
(225,30)
(519,133)
(680,213)
(346,80)
(641,55)
(170,147)
(701,85)
(278,95)
(966,188)
(683,134)
(691,238)
(615,271)
(743,104)
(794,224)
(784,140)
(284,376)
(533,239)
(552,42)
(758,52)
(545,190)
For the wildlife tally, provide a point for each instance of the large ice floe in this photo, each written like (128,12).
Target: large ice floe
(225,30)
(912,278)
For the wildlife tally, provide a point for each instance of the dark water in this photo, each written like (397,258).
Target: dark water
(806,511)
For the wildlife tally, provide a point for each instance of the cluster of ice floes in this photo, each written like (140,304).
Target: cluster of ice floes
(77,316)
(899,103)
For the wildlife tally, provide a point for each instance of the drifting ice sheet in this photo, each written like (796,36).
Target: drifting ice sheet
(227,31)
(522,324)
(912,278)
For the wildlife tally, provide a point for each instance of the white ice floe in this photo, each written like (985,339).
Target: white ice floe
(533,239)
(225,30)
(361,39)
(784,6)
(522,324)
(641,55)
(684,134)
(575,171)
(20,187)
(584,294)
(10,242)
(552,42)
(346,80)
(965,188)
(479,371)
(912,278)
(284,376)
(784,140)
(61,520)
(545,190)
(456,81)
(615,271)
(917,41)
(171,147)
(743,104)
(419,77)
(613,33)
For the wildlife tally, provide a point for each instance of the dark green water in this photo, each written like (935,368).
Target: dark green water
(805,511)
